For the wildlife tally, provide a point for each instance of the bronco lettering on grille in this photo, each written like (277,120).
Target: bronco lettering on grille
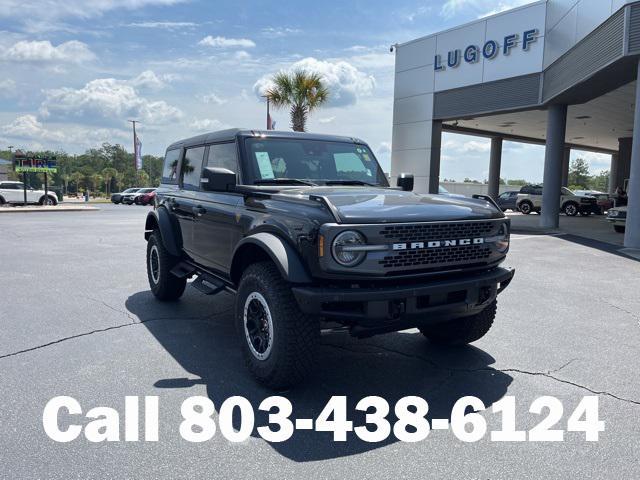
(438,244)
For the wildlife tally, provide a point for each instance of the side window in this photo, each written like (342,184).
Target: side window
(223,155)
(170,168)
(191,169)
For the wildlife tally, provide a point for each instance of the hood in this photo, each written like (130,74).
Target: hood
(384,205)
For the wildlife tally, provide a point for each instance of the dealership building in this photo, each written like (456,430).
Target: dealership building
(560,73)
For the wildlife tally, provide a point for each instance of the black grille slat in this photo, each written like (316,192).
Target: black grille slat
(436,256)
(436,231)
(441,255)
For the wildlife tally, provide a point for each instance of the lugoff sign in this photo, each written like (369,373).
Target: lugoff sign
(490,50)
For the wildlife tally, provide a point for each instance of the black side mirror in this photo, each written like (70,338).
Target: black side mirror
(217,180)
(405,182)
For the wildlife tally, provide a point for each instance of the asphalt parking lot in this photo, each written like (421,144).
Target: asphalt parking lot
(77,319)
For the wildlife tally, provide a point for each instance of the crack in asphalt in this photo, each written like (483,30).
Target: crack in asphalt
(623,310)
(547,374)
(113,327)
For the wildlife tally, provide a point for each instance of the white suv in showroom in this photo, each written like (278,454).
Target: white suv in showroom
(13,192)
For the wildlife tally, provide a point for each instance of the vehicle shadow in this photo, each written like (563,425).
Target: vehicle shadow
(391,366)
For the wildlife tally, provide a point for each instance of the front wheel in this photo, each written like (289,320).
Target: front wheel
(462,330)
(278,340)
(571,209)
(526,207)
(164,285)
(48,200)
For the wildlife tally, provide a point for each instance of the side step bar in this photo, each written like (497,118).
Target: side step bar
(208,284)
(183,270)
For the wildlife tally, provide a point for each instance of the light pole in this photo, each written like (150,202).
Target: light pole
(135,146)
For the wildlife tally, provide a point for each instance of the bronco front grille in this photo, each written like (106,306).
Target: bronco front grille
(437,256)
(437,231)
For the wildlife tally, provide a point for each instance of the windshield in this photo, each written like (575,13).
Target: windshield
(566,191)
(313,162)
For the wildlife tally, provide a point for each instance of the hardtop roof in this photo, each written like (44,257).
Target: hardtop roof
(233,133)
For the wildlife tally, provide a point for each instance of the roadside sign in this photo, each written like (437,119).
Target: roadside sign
(34,164)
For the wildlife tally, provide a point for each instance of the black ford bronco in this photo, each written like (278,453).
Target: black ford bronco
(305,230)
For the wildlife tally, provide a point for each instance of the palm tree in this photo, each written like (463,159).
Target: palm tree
(108,174)
(77,177)
(301,91)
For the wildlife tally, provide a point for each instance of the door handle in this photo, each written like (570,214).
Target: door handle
(198,211)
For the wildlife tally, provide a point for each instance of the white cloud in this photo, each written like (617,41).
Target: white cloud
(384,148)
(163,25)
(148,79)
(207,124)
(469,146)
(345,82)
(482,8)
(106,99)
(28,128)
(213,98)
(224,42)
(326,120)
(275,32)
(43,51)
(7,87)
(40,9)
(242,55)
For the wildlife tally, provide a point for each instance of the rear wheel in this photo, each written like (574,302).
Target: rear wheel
(619,228)
(462,330)
(2,201)
(164,285)
(526,207)
(278,340)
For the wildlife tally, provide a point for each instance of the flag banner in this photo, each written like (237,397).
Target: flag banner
(138,154)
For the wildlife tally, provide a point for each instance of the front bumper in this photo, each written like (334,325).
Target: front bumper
(397,307)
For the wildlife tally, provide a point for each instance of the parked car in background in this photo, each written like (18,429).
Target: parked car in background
(507,201)
(605,202)
(618,218)
(145,198)
(13,193)
(130,199)
(117,197)
(530,200)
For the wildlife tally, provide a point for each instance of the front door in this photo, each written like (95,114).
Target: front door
(216,228)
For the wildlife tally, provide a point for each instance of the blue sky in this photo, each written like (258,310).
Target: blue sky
(74,71)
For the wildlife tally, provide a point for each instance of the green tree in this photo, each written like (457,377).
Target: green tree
(108,174)
(600,181)
(579,173)
(96,181)
(301,91)
(77,178)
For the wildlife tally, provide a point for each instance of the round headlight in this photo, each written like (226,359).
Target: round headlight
(502,243)
(345,248)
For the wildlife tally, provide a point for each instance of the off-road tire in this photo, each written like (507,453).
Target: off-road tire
(462,330)
(164,285)
(295,335)
(2,201)
(570,209)
(525,207)
(619,228)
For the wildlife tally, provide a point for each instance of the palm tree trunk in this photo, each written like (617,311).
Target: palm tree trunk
(298,118)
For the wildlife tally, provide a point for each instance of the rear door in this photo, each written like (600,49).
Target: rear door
(185,197)
(12,192)
(216,229)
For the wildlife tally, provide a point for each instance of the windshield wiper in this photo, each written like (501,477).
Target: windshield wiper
(284,181)
(350,182)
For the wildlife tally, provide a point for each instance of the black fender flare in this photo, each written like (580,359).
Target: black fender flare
(281,253)
(162,220)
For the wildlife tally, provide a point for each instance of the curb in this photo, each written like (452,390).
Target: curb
(46,209)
